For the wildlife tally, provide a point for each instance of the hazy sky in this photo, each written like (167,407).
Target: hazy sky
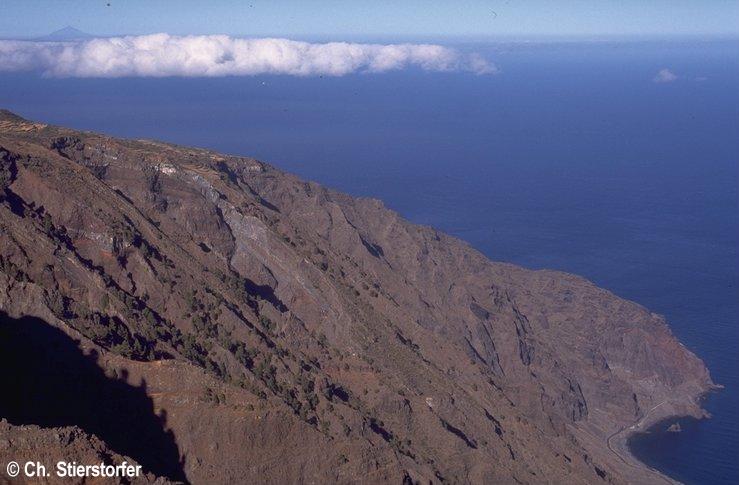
(340,19)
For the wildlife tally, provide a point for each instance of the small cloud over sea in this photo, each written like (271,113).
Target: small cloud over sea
(664,76)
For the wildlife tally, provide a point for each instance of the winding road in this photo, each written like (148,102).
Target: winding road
(636,425)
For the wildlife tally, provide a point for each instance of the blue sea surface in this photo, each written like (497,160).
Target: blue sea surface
(570,158)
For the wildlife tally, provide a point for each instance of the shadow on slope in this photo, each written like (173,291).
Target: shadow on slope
(48,381)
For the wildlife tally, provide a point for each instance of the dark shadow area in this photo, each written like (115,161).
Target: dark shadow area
(374,249)
(459,434)
(378,428)
(15,203)
(48,381)
(265,292)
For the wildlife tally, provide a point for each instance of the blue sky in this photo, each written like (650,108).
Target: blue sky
(343,19)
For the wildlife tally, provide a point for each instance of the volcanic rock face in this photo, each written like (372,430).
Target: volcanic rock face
(265,329)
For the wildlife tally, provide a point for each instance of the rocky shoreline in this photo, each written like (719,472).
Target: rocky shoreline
(689,407)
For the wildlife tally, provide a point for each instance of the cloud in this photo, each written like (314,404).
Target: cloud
(160,55)
(664,76)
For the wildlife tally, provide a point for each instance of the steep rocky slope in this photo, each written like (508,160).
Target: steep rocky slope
(259,328)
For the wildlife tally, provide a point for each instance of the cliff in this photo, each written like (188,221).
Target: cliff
(259,328)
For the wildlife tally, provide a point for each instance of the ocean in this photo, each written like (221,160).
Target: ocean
(571,158)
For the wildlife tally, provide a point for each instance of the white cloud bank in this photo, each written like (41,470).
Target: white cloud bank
(159,55)
(664,76)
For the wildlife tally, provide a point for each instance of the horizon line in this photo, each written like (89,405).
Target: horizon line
(342,37)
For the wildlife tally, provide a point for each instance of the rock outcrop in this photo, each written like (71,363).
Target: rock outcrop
(275,331)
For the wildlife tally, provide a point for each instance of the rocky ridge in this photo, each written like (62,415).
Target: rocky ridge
(278,331)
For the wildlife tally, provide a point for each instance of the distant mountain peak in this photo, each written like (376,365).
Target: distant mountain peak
(66,33)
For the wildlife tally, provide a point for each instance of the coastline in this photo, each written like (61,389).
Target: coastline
(658,416)
(618,443)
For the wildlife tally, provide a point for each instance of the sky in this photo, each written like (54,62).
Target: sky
(349,19)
